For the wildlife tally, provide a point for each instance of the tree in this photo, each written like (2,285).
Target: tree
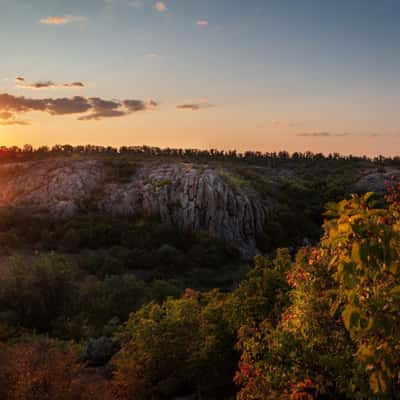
(34,295)
(181,346)
(362,243)
(38,370)
(304,352)
(338,337)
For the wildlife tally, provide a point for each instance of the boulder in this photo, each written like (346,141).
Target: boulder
(376,181)
(100,351)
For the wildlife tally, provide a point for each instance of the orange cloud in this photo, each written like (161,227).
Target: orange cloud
(193,106)
(160,6)
(61,20)
(323,134)
(8,118)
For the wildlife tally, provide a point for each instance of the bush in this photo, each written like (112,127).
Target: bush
(338,337)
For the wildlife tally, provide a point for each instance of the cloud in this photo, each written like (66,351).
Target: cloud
(108,109)
(7,118)
(202,22)
(41,85)
(323,134)
(61,20)
(5,115)
(193,106)
(68,105)
(103,114)
(315,134)
(13,122)
(103,109)
(21,82)
(160,6)
(135,105)
(152,55)
(74,85)
(92,108)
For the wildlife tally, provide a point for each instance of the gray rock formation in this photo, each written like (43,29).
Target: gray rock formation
(100,351)
(375,180)
(53,188)
(191,197)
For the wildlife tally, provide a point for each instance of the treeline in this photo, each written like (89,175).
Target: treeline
(271,159)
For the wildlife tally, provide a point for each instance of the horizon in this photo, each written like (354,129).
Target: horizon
(239,153)
(314,76)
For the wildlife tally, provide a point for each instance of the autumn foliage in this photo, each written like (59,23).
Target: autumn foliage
(339,336)
(323,324)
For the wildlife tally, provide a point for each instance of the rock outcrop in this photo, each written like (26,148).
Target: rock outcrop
(53,188)
(376,180)
(100,351)
(192,197)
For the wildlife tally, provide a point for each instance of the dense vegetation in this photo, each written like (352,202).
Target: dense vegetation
(188,319)
(74,277)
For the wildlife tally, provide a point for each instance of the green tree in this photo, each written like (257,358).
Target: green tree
(363,245)
(262,294)
(338,337)
(181,346)
(34,294)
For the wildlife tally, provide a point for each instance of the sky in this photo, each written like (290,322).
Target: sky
(267,75)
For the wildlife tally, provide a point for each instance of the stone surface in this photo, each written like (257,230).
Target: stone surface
(50,187)
(192,197)
(376,181)
(100,351)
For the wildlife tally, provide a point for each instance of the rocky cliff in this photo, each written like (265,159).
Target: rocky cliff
(193,197)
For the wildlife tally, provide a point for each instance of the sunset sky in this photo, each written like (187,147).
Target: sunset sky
(320,75)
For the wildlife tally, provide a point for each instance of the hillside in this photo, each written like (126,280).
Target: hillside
(253,207)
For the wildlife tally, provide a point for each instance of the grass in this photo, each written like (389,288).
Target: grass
(233,180)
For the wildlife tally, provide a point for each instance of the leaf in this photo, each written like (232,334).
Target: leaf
(355,253)
(348,275)
(351,316)
(334,307)
(377,383)
(395,291)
